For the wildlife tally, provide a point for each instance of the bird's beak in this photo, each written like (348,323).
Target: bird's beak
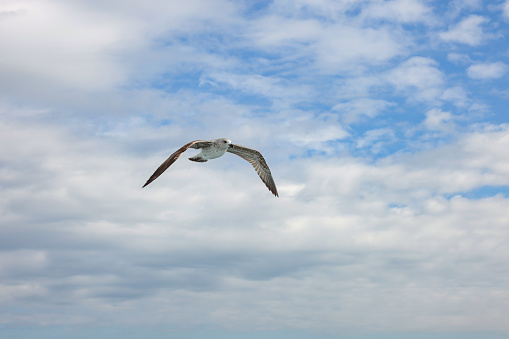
(231,145)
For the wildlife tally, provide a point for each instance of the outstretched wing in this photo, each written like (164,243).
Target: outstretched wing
(256,159)
(193,144)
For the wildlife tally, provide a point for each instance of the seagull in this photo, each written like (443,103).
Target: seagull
(217,148)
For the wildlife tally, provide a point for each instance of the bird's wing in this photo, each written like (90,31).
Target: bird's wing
(193,144)
(256,159)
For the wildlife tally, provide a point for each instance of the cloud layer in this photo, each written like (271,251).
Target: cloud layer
(384,125)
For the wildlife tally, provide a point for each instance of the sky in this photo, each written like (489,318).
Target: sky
(385,126)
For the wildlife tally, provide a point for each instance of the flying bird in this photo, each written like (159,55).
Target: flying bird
(217,148)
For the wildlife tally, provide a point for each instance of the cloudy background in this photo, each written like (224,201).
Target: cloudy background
(385,125)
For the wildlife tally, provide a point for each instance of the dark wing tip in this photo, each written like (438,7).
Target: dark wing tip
(256,159)
(172,159)
(273,189)
(152,178)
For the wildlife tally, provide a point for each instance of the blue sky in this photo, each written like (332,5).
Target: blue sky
(384,124)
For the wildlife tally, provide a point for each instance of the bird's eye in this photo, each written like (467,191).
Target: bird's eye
(225,141)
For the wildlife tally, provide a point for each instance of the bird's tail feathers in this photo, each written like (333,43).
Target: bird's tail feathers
(197,158)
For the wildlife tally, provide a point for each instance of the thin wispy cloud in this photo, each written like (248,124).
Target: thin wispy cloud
(384,124)
(400,11)
(506,9)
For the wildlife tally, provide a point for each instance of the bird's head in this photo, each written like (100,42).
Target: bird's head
(223,142)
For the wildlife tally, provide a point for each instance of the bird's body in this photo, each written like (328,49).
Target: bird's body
(216,148)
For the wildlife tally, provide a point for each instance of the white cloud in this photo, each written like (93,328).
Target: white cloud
(49,42)
(354,110)
(309,132)
(506,9)
(405,11)
(276,31)
(331,9)
(376,139)
(436,119)
(455,7)
(469,31)
(457,95)
(475,160)
(486,71)
(346,49)
(418,75)
(80,48)
(358,86)
(333,47)
(282,91)
(459,58)
(110,249)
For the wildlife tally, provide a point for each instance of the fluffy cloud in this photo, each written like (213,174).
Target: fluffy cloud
(345,49)
(456,95)
(89,49)
(493,70)
(108,247)
(418,75)
(438,120)
(469,31)
(334,46)
(51,43)
(314,133)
